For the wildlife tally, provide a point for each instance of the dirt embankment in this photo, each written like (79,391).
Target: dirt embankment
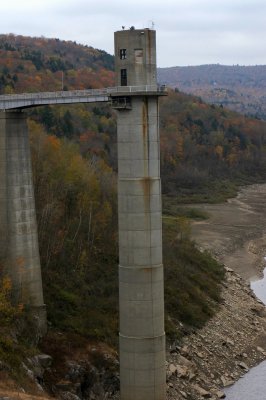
(235,233)
(234,340)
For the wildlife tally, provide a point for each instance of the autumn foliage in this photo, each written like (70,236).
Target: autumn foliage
(74,156)
(202,145)
(8,311)
(40,64)
(77,221)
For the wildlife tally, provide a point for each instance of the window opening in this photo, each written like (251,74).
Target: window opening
(123,77)
(123,54)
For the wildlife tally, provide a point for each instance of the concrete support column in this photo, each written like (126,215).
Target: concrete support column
(3,195)
(142,337)
(19,241)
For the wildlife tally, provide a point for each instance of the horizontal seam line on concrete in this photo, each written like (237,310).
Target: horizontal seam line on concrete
(142,266)
(22,209)
(138,179)
(22,198)
(141,337)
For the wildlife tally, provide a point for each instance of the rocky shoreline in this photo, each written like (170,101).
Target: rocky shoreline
(234,340)
(217,355)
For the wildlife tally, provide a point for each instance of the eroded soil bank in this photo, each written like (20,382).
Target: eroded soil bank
(236,231)
(234,340)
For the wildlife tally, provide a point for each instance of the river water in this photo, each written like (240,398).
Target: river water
(253,385)
(259,287)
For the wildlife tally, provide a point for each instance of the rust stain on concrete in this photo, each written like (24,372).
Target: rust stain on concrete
(145,136)
(146,183)
(149,46)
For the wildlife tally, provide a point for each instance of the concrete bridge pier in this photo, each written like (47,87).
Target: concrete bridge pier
(141,291)
(19,250)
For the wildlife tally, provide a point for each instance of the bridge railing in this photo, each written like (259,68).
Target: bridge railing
(83,93)
(135,89)
(22,100)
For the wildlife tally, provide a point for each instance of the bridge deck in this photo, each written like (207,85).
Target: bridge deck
(25,100)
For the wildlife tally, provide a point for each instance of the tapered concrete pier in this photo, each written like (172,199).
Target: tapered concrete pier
(142,337)
(19,251)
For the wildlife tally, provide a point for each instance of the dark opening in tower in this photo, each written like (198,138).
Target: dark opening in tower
(123,77)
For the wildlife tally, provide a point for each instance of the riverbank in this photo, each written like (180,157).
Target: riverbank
(235,232)
(234,340)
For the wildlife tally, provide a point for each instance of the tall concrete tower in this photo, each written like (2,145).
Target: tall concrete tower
(141,295)
(19,251)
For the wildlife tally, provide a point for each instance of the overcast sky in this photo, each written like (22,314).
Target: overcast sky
(189,32)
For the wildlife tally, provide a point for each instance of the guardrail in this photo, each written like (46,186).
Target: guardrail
(85,92)
(135,89)
(10,100)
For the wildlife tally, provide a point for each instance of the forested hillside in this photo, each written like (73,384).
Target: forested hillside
(240,88)
(40,64)
(200,144)
(206,151)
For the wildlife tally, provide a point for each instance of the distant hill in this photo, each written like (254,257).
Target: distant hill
(240,88)
(38,64)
